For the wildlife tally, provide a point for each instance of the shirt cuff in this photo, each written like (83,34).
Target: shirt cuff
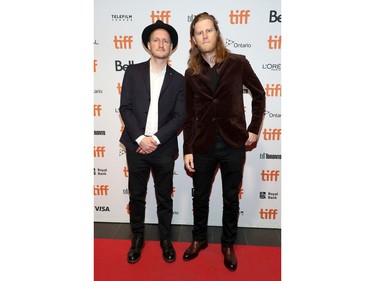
(139,139)
(156,139)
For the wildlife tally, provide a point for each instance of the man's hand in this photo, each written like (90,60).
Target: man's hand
(189,162)
(147,145)
(252,139)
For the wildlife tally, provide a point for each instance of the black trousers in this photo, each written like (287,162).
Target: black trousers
(231,161)
(161,166)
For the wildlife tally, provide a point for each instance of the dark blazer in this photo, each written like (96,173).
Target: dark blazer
(135,101)
(221,111)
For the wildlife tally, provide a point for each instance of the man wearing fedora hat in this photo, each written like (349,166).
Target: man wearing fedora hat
(152,108)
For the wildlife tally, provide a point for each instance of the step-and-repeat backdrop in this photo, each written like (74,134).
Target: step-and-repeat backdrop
(251,28)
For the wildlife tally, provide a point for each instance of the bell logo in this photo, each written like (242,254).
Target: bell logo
(97,109)
(123,42)
(239,17)
(271,134)
(270,176)
(275,42)
(122,67)
(160,15)
(99,151)
(268,214)
(274,17)
(101,190)
(273,90)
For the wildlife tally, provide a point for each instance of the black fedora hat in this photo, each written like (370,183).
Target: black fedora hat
(159,24)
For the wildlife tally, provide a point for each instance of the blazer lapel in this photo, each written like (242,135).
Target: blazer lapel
(146,76)
(167,79)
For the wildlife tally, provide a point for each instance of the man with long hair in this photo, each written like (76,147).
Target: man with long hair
(215,131)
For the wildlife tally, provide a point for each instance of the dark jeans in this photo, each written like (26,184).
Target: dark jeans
(231,162)
(161,167)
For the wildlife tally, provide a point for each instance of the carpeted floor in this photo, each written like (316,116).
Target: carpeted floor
(256,263)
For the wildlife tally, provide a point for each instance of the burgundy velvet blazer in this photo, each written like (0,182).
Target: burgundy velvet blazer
(222,111)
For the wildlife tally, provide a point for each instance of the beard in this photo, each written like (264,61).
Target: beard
(207,47)
(160,54)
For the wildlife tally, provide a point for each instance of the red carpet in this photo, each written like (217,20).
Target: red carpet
(254,263)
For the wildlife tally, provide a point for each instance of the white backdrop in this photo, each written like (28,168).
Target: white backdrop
(251,28)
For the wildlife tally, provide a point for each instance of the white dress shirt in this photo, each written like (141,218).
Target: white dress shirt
(156,82)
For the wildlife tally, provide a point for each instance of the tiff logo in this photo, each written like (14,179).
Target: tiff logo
(97,109)
(101,190)
(173,191)
(268,214)
(271,134)
(164,16)
(127,209)
(273,90)
(95,64)
(190,18)
(99,151)
(270,176)
(239,17)
(240,193)
(119,88)
(125,170)
(123,42)
(275,42)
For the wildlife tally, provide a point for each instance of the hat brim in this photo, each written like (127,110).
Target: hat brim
(159,25)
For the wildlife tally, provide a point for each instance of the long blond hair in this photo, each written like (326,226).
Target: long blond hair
(196,60)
